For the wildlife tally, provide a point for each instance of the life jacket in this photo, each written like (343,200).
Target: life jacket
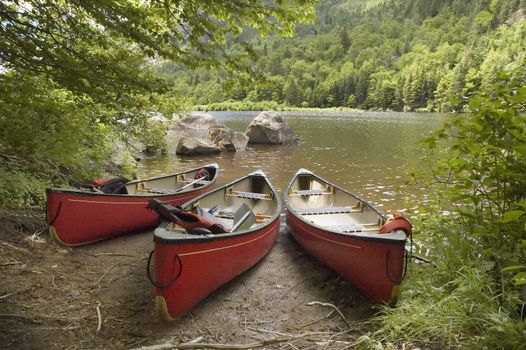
(191,222)
(398,222)
(115,185)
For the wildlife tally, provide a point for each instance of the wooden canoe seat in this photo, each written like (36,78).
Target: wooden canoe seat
(249,195)
(328,210)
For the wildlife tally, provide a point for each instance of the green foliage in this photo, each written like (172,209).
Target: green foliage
(45,138)
(75,75)
(471,299)
(486,151)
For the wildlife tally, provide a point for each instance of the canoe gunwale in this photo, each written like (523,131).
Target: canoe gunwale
(156,195)
(166,237)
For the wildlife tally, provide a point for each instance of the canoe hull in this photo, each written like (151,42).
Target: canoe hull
(345,233)
(374,267)
(205,267)
(78,217)
(188,267)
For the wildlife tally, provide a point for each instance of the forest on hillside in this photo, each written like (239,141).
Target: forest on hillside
(377,55)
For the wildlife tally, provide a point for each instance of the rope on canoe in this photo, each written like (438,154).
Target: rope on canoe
(56,215)
(407,257)
(155,284)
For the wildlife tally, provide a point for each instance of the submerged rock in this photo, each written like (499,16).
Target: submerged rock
(269,127)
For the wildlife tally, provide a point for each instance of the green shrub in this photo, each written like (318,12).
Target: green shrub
(471,300)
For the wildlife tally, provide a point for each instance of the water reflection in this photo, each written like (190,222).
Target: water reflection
(367,153)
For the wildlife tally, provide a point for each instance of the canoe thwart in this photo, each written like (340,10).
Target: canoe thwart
(194,182)
(249,195)
(318,192)
(158,191)
(329,210)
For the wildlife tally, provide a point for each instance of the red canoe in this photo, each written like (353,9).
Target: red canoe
(344,232)
(189,265)
(78,216)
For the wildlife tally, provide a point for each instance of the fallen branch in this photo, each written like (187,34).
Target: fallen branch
(334,308)
(114,254)
(259,344)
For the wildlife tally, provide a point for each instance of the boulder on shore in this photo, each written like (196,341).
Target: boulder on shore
(197,124)
(269,127)
(193,146)
(228,139)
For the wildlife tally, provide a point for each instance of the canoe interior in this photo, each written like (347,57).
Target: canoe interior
(254,191)
(331,208)
(177,183)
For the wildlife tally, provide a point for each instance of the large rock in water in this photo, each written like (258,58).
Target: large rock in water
(269,127)
(228,139)
(194,146)
(197,124)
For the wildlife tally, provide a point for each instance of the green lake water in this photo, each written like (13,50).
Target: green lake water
(367,153)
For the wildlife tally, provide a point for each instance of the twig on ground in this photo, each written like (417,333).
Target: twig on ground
(333,307)
(20,249)
(270,332)
(99,324)
(196,340)
(102,277)
(427,261)
(330,282)
(294,286)
(53,281)
(318,320)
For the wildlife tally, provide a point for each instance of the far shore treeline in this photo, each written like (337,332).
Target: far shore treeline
(383,55)
(78,79)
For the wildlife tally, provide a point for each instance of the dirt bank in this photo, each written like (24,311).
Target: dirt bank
(98,296)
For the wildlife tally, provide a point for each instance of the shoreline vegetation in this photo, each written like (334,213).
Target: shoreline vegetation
(249,106)
(245,106)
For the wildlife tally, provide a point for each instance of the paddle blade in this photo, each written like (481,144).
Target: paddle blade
(244,218)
